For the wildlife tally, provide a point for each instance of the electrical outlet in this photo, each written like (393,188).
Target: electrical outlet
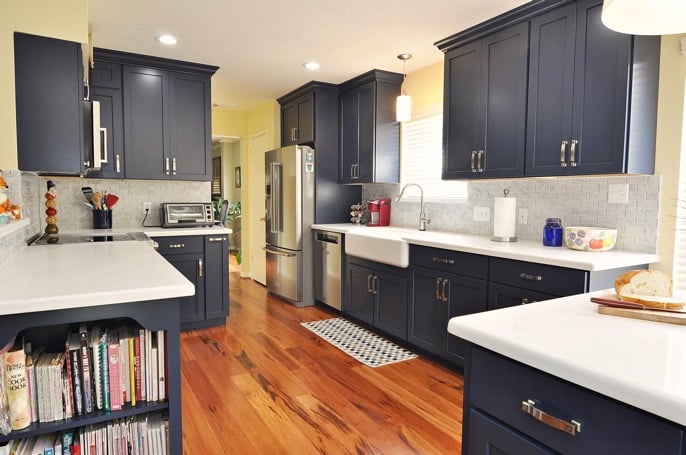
(146,207)
(482,213)
(522,216)
(618,193)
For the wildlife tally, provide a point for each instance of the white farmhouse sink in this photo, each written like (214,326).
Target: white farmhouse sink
(382,245)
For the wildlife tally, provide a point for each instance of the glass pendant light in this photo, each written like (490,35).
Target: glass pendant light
(403,104)
(645,17)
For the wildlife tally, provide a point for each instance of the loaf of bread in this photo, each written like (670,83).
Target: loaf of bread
(650,288)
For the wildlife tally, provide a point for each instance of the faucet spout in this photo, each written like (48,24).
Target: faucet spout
(423,219)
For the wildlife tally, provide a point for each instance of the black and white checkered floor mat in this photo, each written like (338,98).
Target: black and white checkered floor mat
(361,344)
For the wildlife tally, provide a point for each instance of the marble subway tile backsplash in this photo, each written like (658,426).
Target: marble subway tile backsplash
(578,201)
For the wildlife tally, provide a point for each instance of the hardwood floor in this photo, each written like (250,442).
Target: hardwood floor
(265,384)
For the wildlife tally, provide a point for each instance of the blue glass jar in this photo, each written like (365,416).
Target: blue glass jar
(552,232)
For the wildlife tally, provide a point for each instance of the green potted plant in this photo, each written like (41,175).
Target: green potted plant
(233,214)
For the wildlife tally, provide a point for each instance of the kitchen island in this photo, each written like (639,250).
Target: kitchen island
(611,384)
(45,289)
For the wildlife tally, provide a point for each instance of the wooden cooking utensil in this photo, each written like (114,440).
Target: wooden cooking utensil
(97,200)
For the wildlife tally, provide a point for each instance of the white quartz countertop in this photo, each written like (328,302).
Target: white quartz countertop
(155,231)
(523,250)
(641,363)
(53,277)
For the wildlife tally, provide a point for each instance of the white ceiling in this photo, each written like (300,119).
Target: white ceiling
(260,45)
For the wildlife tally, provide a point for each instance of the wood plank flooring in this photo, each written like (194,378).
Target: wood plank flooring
(265,384)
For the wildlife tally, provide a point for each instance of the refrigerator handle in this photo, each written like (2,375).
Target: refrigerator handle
(275,200)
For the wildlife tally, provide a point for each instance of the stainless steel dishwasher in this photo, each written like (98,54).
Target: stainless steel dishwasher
(328,267)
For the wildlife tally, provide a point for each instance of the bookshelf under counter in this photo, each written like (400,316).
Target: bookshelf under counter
(153,315)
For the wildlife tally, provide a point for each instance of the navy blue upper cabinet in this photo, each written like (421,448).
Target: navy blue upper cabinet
(106,88)
(369,135)
(297,121)
(49,93)
(485,106)
(579,93)
(590,95)
(166,115)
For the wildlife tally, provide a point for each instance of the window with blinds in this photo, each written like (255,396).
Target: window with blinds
(421,159)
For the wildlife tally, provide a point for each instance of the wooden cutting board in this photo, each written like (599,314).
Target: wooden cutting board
(648,315)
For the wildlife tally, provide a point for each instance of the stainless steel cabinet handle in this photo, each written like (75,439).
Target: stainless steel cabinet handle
(369,283)
(216,239)
(443,260)
(563,151)
(525,301)
(177,245)
(117,165)
(103,132)
(444,284)
(296,134)
(481,161)
(572,427)
(166,165)
(473,161)
(437,293)
(375,285)
(572,153)
(200,268)
(174,166)
(526,276)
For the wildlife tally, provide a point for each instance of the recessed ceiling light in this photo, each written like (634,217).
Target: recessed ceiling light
(169,40)
(311,65)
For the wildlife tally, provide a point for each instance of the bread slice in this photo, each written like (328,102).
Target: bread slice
(665,303)
(644,283)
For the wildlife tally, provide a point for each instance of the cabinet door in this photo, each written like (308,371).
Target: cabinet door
(391,303)
(600,106)
(190,265)
(465,296)
(360,303)
(112,131)
(48,89)
(504,80)
(501,296)
(190,154)
(145,121)
(463,114)
(551,85)
(289,123)
(349,137)
(216,276)
(428,311)
(489,436)
(305,131)
(366,132)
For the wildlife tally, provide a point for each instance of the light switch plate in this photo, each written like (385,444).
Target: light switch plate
(482,213)
(618,193)
(522,216)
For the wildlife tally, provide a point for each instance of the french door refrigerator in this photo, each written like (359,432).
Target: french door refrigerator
(290,190)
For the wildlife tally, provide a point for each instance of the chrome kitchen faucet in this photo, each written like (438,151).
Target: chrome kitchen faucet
(423,219)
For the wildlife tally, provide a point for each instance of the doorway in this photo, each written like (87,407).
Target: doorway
(226,184)
(258,263)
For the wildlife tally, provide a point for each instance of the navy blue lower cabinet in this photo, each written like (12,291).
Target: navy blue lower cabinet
(377,295)
(499,391)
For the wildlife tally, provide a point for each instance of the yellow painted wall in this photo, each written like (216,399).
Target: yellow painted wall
(229,123)
(64,19)
(670,140)
(425,86)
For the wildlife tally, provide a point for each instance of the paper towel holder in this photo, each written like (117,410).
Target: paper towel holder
(496,216)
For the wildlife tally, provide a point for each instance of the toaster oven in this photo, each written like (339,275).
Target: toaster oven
(186,214)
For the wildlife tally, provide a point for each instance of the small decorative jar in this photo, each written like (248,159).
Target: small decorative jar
(552,232)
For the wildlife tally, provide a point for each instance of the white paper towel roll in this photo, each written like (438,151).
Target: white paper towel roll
(504,218)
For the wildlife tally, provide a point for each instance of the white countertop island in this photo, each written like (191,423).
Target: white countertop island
(637,362)
(55,277)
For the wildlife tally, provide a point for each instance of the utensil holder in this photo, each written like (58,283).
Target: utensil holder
(102,219)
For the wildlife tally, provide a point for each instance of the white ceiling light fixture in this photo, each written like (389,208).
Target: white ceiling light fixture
(641,17)
(167,39)
(403,104)
(311,65)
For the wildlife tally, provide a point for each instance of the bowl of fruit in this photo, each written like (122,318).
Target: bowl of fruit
(590,238)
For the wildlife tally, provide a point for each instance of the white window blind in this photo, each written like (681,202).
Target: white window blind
(421,159)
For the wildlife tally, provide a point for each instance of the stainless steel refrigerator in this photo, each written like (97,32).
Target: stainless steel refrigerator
(290,191)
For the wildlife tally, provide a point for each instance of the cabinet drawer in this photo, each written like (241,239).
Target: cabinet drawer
(180,245)
(457,262)
(500,385)
(549,279)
